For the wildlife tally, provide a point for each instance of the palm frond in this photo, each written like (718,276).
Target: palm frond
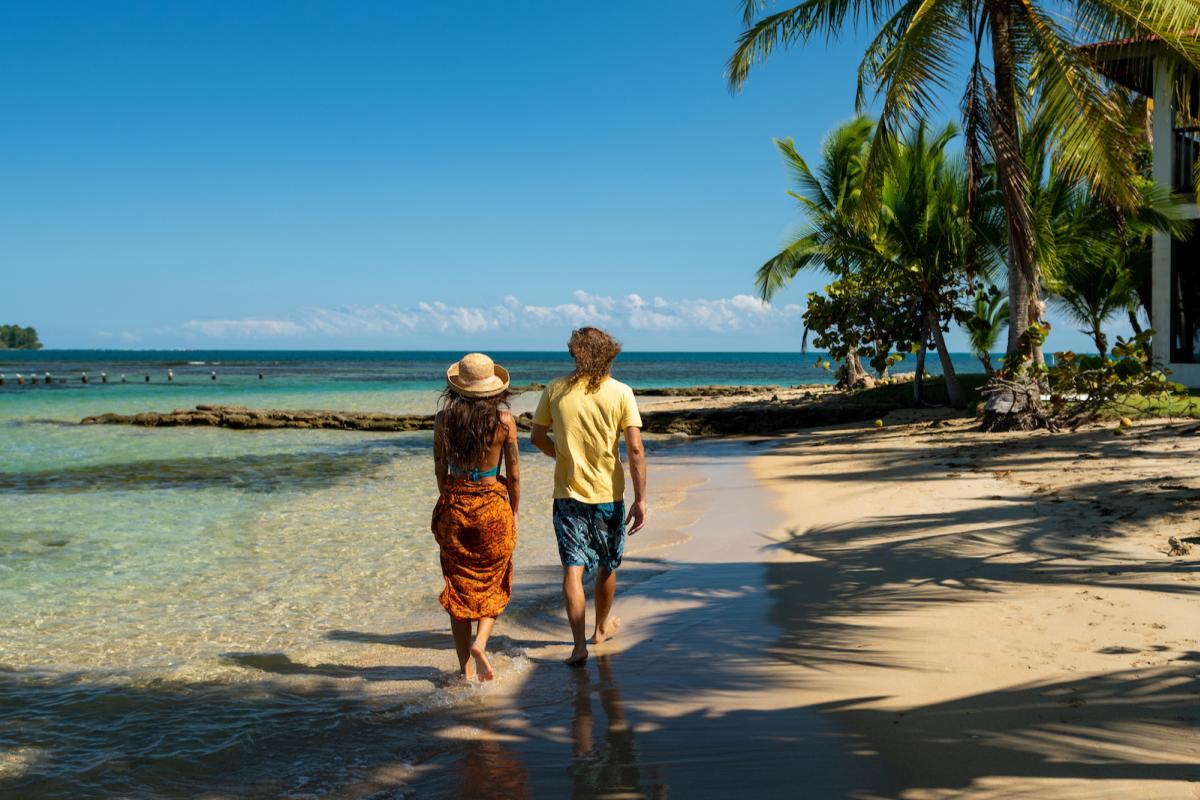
(779,270)
(789,26)
(916,64)
(1084,123)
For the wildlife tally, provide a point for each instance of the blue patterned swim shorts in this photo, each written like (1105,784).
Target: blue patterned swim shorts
(590,534)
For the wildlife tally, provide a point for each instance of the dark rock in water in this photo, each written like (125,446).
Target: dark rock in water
(704,391)
(527,387)
(242,418)
(754,417)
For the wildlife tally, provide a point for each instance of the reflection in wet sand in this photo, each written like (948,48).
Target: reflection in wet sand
(488,769)
(610,768)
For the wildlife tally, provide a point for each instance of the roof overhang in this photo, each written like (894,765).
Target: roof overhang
(1130,63)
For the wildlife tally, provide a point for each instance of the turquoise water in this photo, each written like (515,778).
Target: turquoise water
(136,564)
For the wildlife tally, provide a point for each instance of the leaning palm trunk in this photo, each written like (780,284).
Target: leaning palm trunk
(919,378)
(1099,338)
(954,390)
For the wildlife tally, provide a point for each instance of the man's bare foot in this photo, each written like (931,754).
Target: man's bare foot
(481,661)
(608,631)
(578,657)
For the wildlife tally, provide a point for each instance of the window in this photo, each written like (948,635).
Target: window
(1185,300)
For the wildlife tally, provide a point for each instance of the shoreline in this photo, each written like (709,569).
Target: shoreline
(854,611)
(921,613)
(687,700)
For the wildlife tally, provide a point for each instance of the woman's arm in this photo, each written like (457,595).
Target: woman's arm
(512,464)
(439,458)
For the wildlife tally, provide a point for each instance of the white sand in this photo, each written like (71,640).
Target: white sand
(994,615)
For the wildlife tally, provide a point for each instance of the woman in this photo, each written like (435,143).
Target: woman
(474,521)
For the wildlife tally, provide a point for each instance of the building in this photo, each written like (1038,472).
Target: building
(1147,67)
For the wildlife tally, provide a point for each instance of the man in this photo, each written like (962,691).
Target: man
(588,411)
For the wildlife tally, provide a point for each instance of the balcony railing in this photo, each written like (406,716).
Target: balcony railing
(1187,153)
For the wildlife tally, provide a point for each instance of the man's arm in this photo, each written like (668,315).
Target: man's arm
(542,441)
(637,470)
(512,465)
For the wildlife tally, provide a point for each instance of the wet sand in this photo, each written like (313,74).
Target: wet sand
(695,697)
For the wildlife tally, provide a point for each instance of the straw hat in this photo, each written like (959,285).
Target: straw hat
(476,375)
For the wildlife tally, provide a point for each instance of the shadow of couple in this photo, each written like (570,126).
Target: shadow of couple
(604,754)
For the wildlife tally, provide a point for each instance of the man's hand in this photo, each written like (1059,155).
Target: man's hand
(636,517)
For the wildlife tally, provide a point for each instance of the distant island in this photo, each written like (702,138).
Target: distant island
(14,337)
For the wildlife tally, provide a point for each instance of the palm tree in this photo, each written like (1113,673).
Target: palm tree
(1092,291)
(1092,258)
(1033,56)
(989,315)
(922,238)
(828,197)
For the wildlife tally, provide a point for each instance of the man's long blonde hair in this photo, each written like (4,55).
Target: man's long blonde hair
(594,352)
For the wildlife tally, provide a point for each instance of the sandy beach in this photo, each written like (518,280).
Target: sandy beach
(914,612)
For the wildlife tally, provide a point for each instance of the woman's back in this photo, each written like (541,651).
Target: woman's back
(471,451)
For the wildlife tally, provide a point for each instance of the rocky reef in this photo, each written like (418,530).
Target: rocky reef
(242,418)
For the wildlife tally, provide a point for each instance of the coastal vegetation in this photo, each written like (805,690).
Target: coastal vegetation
(14,337)
(1021,55)
(1045,194)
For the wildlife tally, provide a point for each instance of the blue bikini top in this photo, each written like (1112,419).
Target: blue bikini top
(474,475)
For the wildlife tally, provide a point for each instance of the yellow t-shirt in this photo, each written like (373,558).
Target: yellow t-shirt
(587,429)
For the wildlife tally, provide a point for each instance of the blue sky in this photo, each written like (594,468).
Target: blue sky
(393,175)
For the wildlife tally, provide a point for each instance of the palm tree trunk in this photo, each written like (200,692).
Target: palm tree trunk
(1099,338)
(919,378)
(954,390)
(1012,174)
(1037,310)
(1133,321)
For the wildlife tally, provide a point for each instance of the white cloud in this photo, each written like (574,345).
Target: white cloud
(244,328)
(630,312)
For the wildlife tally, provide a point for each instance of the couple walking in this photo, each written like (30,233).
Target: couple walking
(578,422)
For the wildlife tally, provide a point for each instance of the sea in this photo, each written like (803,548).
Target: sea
(157,583)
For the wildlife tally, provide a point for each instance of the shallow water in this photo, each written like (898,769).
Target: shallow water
(177,595)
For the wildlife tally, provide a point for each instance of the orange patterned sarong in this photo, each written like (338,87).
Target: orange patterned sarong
(474,527)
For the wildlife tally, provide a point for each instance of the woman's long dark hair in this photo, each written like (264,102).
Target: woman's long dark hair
(469,426)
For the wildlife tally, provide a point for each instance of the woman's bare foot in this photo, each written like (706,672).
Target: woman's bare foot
(608,631)
(468,670)
(481,662)
(578,657)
